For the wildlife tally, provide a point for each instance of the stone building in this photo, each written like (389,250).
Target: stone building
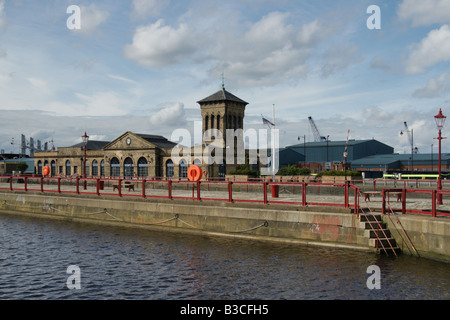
(145,155)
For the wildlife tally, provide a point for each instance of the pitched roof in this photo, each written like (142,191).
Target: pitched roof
(331,143)
(91,145)
(158,141)
(222,95)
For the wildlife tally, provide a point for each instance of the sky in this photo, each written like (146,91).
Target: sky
(142,65)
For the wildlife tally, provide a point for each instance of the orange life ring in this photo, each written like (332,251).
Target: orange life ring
(46,170)
(194,173)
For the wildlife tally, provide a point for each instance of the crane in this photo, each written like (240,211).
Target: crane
(410,133)
(316,133)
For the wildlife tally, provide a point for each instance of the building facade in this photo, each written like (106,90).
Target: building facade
(145,155)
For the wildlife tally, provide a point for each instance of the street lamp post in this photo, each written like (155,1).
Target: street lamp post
(85,141)
(440,120)
(431,157)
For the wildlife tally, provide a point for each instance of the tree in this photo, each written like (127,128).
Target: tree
(22,167)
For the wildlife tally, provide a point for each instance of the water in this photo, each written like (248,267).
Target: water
(118,263)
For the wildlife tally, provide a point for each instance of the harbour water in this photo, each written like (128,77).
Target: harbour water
(118,263)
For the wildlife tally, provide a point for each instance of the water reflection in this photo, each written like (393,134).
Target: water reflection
(137,264)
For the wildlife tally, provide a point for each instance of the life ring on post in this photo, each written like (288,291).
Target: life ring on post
(46,170)
(194,173)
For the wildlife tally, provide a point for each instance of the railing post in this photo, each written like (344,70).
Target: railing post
(304,194)
(198,191)
(42,184)
(346,186)
(78,185)
(403,201)
(265,192)
(26,184)
(98,186)
(10,183)
(143,188)
(383,196)
(230,189)
(169,187)
(59,185)
(433,203)
(120,187)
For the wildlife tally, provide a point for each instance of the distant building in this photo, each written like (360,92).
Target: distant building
(403,162)
(329,155)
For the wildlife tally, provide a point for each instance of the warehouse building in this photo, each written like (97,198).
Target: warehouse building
(329,155)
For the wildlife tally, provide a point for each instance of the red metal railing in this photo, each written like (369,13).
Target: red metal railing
(402,195)
(294,193)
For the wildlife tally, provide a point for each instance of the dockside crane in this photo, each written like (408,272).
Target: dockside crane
(317,136)
(410,134)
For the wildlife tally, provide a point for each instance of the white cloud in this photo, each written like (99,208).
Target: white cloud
(272,50)
(39,85)
(171,114)
(433,49)
(101,104)
(2,15)
(120,78)
(157,45)
(91,18)
(435,87)
(423,13)
(144,8)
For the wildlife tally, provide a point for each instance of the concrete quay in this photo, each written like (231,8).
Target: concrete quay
(337,227)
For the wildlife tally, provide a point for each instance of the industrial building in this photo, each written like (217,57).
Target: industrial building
(329,155)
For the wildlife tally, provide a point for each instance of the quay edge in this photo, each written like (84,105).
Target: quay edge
(312,226)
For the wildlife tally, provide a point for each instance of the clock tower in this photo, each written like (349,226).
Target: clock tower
(223,111)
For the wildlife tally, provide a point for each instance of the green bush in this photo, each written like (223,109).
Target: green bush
(293,171)
(22,166)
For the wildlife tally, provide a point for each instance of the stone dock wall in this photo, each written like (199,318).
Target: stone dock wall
(315,226)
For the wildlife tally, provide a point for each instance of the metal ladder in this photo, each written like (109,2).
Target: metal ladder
(377,230)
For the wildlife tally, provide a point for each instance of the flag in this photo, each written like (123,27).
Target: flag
(265,121)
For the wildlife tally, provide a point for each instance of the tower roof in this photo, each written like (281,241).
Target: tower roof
(222,95)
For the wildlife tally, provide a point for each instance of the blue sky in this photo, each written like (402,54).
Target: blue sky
(141,65)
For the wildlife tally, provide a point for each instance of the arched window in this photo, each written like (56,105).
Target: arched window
(183,168)
(102,168)
(142,167)
(212,122)
(115,167)
(128,168)
(86,169)
(206,123)
(39,167)
(198,162)
(53,168)
(95,168)
(218,122)
(68,168)
(169,169)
